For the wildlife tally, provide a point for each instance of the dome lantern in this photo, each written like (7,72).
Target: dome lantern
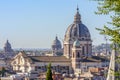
(77,17)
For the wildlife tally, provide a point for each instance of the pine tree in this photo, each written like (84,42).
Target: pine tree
(49,73)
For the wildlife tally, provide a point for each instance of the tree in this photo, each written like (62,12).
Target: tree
(2,72)
(49,73)
(112,8)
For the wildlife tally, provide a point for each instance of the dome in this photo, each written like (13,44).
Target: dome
(7,44)
(56,43)
(7,47)
(77,30)
(76,43)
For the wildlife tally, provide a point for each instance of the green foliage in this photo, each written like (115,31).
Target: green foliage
(2,72)
(49,73)
(106,7)
(112,8)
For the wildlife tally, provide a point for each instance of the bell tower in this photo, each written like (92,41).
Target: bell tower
(76,55)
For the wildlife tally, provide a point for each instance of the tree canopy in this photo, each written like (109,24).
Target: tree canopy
(2,72)
(49,73)
(111,7)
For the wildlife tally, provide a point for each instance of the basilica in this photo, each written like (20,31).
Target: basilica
(77,55)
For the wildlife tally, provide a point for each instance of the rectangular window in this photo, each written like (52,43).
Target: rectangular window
(35,68)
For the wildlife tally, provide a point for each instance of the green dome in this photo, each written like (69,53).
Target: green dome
(76,43)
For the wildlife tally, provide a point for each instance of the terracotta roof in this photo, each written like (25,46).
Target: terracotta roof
(49,59)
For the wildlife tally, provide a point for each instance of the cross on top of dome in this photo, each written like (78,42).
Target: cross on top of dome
(77,9)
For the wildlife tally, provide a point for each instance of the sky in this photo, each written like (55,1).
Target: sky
(35,23)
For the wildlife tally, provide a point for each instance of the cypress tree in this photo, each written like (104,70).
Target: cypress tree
(3,72)
(49,73)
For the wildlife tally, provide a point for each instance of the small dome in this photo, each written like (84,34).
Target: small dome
(7,47)
(7,44)
(56,44)
(76,43)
